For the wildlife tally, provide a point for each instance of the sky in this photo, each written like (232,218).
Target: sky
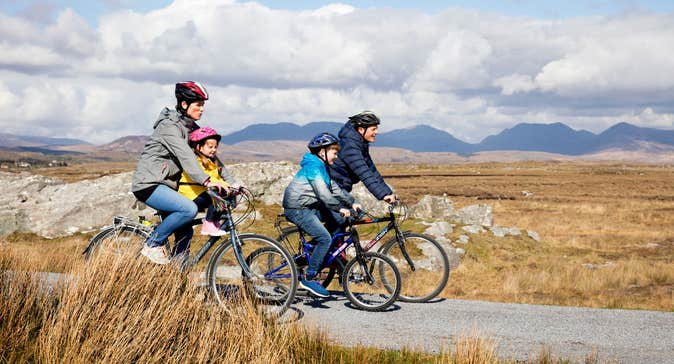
(101,69)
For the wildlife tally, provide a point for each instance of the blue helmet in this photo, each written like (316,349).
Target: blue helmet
(322,140)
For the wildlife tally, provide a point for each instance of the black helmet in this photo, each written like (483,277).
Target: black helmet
(190,92)
(322,140)
(364,119)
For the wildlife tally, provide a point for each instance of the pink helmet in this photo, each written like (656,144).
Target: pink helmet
(202,134)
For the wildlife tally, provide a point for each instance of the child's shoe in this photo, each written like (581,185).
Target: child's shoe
(211,228)
(314,287)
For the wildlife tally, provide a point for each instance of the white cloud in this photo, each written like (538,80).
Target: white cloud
(467,72)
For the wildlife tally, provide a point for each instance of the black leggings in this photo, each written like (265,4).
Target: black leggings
(204,202)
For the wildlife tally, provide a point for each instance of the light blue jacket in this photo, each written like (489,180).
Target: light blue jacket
(312,186)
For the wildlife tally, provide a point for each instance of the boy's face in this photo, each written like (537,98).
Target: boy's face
(331,156)
(369,133)
(209,148)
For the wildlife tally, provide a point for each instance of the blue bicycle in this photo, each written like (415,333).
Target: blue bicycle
(371,281)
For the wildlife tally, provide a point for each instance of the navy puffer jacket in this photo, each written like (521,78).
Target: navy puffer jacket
(355,164)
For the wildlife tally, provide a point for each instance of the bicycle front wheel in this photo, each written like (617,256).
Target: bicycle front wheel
(273,281)
(117,240)
(371,282)
(430,271)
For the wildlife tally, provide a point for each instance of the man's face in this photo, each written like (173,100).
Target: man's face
(369,133)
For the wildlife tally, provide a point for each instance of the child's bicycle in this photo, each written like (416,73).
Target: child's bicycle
(422,261)
(371,281)
(240,264)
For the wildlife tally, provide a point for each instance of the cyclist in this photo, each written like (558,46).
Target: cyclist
(354,163)
(165,156)
(205,143)
(312,197)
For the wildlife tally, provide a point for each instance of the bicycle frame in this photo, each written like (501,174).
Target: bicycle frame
(234,238)
(392,225)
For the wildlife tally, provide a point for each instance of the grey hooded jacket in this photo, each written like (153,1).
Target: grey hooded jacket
(167,154)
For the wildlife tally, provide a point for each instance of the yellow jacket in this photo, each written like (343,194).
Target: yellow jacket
(191,189)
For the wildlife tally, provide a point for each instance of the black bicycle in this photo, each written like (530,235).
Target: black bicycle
(240,263)
(370,280)
(422,261)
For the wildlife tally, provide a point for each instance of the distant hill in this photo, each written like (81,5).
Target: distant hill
(550,138)
(626,136)
(423,138)
(127,144)
(16,141)
(281,131)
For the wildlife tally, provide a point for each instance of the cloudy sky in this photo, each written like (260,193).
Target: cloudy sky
(101,69)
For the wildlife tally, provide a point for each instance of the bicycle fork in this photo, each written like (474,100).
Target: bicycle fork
(400,237)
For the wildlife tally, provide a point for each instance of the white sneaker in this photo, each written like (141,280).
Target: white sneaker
(156,254)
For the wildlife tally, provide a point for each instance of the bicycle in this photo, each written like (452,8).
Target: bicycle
(365,288)
(239,262)
(423,263)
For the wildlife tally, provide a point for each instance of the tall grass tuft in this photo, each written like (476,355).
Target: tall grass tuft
(24,304)
(120,309)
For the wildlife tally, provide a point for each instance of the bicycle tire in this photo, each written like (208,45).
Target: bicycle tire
(290,239)
(117,240)
(431,266)
(376,296)
(273,294)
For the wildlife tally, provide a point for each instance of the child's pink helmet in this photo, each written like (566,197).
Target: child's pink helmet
(201,134)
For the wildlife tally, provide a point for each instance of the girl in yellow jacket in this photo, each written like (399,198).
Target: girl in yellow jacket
(205,143)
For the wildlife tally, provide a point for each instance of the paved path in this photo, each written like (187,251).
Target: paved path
(520,331)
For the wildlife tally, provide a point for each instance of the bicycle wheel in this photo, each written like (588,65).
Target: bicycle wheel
(273,283)
(431,266)
(290,239)
(117,240)
(378,294)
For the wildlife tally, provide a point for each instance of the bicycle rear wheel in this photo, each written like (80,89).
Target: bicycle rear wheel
(117,240)
(377,294)
(272,284)
(431,266)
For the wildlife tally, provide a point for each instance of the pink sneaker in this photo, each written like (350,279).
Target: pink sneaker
(211,228)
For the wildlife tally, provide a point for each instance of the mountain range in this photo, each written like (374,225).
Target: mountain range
(550,138)
(263,140)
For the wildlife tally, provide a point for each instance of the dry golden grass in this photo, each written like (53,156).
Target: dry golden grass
(595,221)
(119,309)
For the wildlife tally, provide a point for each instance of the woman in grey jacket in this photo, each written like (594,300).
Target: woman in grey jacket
(161,163)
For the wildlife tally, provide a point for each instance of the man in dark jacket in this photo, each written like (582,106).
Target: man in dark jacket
(354,163)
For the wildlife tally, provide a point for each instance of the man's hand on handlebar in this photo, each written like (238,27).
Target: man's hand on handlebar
(357,207)
(391,199)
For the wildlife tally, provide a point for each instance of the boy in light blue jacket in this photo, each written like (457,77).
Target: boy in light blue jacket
(311,192)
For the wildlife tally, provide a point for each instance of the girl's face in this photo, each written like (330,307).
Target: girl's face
(209,148)
(195,110)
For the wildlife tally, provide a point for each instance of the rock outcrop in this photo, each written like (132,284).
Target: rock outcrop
(50,207)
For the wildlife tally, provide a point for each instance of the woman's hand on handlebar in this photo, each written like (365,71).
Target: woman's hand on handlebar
(222,189)
(357,207)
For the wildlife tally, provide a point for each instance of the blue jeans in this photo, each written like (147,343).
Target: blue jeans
(177,212)
(309,220)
